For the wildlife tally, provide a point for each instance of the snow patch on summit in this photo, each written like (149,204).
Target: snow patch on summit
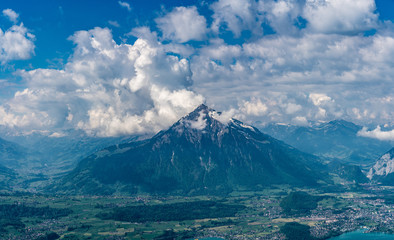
(242,125)
(200,123)
(247,126)
(223,117)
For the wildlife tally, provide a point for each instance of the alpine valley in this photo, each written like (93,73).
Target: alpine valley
(205,176)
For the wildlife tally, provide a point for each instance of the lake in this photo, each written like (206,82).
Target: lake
(356,235)
(360,235)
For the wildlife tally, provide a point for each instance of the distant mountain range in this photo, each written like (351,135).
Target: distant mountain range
(38,158)
(55,155)
(200,153)
(383,170)
(336,140)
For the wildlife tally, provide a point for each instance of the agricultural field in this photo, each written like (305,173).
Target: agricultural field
(241,215)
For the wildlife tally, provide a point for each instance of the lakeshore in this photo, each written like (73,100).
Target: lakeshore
(362,235)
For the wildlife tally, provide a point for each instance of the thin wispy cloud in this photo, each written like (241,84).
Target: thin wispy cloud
(11,15)
(125,5)
(114,23)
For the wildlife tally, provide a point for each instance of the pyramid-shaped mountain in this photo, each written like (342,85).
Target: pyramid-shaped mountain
(200,153)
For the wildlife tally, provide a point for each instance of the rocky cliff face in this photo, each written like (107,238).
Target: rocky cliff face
(383,170)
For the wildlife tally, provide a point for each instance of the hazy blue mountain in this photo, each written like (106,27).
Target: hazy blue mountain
(198,154)
(55,155)
(336,139)
(38,158)
(348,172)
(11,153)
(7,178)
(383,170)
(20,166)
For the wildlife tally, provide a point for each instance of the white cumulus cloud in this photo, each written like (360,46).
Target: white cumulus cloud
(183,24)
(11,15)
(340,16)
(319,98)
(326,69)
(377,133)
(254,107)
(282,15)
(16,43)
(105,89)
(300,121)
(236,16)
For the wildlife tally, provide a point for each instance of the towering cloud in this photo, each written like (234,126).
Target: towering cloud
(105,89)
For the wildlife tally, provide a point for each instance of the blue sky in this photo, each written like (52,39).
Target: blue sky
(53,21)
(131,67)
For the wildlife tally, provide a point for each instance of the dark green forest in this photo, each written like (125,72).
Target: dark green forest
(299,203)
(172,212)
(296,231)
(11,214)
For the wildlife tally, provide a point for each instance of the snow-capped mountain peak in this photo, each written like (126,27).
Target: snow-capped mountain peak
(199,154)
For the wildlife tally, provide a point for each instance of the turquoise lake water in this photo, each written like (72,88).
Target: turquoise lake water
(356,235)
(360,235)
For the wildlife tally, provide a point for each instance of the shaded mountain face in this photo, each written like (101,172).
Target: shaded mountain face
(198,154)
(383,170)
(7,177)
(350,173)
(11,154)
(336,139)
